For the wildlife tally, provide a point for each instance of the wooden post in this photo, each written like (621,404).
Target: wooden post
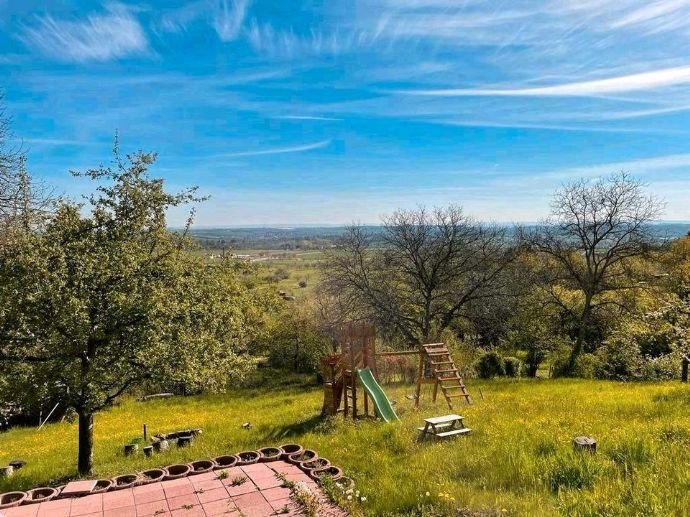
(684,369)
(145,433)
(420,376)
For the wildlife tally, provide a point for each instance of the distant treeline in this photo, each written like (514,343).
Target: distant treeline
(324,237)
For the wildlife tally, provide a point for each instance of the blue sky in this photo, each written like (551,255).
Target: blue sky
(336,111)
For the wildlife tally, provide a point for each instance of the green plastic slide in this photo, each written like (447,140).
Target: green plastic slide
(383,405)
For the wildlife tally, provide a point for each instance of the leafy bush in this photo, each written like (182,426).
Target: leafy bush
(586,366)
(490,365)
(295,342)
(619,359)
(512,366)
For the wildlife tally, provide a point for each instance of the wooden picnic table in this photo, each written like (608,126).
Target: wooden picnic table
(443,426)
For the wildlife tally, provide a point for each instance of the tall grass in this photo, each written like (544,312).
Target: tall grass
(517,461)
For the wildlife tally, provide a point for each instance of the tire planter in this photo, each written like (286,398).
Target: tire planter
(124,481)
(248,457)
(315,464)
(225,462)
(11,499)
(16,464)
(176,471)
(161,445)
(102,485)
(201,466)
(130,448)
(40,495)
(151,476)
(305,455)
(344,482)
(185,441)
(332,471)
(178,434)
(289,449)
(270,454)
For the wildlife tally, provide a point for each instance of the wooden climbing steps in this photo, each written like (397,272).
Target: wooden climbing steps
(445,373)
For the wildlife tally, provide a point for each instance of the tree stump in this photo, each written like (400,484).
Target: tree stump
(148,450)
(6,471)
(585,443)
(130,449)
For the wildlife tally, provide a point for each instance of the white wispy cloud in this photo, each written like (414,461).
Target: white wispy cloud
(641,166)
(178,19)
(228,18)
(100,37)
(278,150)
(53,141)
(307,117)
(628,83)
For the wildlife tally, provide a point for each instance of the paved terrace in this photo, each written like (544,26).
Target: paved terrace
(202,495)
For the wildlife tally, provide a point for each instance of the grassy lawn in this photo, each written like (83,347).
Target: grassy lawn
(517,461)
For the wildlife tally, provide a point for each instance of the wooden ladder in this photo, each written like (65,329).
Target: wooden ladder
(446,374)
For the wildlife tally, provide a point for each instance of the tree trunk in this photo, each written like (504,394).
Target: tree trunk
(581,335)
(85,457)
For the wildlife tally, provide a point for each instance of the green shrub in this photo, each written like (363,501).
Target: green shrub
(490,365)
(512,366)
(619,359)
(295,342)
(586,366)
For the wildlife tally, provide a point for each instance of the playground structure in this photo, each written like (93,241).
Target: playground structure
(351,375)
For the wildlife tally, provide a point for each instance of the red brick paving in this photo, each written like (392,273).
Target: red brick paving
(205,495)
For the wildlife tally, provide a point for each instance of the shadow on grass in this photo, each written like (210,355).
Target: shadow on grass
(315,424)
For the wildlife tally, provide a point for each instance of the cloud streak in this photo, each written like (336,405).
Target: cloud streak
(308,117)
(101,37)
(622,84)
(279,150)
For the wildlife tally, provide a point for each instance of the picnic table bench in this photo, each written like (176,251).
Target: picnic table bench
(444,426)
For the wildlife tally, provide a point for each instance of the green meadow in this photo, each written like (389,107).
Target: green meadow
(518,460)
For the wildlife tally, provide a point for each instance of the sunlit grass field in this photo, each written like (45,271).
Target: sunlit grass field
(517,461)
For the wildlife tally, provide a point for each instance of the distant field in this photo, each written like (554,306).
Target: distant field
(297,265)
(517,461)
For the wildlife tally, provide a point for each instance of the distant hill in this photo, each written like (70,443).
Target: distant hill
(321,237)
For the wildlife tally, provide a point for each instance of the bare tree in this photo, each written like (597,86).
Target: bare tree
(22,200)
(594,232)
(422,272)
